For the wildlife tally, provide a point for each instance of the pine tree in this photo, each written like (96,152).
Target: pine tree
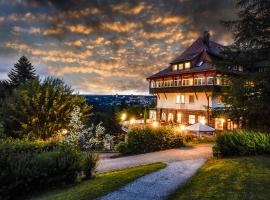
(23,71)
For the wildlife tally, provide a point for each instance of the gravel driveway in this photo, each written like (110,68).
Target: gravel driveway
(180,154)
(157,185)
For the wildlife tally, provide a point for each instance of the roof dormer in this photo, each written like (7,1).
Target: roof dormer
(181,66)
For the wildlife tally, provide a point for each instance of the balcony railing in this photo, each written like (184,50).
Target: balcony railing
(188,82)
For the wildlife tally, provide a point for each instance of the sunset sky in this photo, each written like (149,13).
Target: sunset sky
(105,46)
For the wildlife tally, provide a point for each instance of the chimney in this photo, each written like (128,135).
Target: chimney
(206,38)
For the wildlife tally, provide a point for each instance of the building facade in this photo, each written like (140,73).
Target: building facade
(186,90)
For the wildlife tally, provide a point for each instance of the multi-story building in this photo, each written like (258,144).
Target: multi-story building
(186,89)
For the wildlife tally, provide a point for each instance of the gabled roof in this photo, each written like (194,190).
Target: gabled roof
(199,50)
(198,47)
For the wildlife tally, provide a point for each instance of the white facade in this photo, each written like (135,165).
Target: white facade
(185,101)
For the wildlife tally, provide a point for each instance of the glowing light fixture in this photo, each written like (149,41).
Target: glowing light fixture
(202,121)
(132,121)
(124,116)
(222,120)
(155,124)
(182,127)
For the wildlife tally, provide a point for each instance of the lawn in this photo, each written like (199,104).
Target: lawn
(101,184)
(230,178)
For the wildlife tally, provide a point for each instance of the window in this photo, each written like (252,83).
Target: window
(191,119)
(174,67)
(186,82)
(163,116)
(200,63)
(210,80)
(219,99)
(177,82)
(187,65)
(153,84)
(201,119)
(240,68)
(170,117)
(179,117)
(199,81)
(180,98)
(219,123)
(219,80)
(180,66)
(191,98)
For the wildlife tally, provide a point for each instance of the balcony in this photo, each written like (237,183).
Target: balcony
(198,84)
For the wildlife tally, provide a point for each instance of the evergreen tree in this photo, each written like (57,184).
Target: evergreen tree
(23,71)
(247,96)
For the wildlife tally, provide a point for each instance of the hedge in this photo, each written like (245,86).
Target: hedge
(33,166)
(152,139)
(242,143)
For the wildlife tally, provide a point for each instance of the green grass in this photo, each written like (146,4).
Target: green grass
(230,178)
(101,184)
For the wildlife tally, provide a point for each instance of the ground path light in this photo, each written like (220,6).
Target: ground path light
(155,124)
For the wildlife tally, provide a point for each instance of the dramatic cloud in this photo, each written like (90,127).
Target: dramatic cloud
(107,46)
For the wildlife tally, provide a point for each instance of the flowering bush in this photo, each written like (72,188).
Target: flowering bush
(85,138)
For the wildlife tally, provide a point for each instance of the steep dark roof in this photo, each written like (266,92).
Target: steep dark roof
(199,50)
(198,47)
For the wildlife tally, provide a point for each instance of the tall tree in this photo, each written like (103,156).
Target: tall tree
(249,94)
(22,72)
(252,28)
(38,110)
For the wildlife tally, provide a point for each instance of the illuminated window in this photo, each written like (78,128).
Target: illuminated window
(180,66)
(174,67)
(179,117)
(186,82)
(163,116)
(219,99)
(177,82)
(191,98)
(187,65)
(170,117)
(191,119)
(201,119)
(219,123)
(199,81)
(180,98)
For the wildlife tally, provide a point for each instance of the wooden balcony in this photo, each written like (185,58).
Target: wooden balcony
(185,89)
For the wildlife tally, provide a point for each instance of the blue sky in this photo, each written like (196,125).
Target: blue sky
(105,46)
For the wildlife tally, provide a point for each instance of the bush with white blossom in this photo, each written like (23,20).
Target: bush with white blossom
(85,138)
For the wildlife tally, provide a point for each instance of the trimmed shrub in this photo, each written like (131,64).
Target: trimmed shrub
(33,166)
(149,139)
(89,164)
(242,143)
(121,147)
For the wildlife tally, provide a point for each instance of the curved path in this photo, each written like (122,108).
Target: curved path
(184,153)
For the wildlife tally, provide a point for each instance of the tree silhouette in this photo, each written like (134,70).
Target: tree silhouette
(22,72)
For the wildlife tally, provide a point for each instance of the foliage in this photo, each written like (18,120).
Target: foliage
(101,184)
(232,178)
(121,147)
(153,139)
(89,164)
(37,110)
(251,28)
(82,137)
(22,72)
(29,166)
(248,95)
(242,143)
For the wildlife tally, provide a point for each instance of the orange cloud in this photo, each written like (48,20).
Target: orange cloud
(79,28)
(120,27)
